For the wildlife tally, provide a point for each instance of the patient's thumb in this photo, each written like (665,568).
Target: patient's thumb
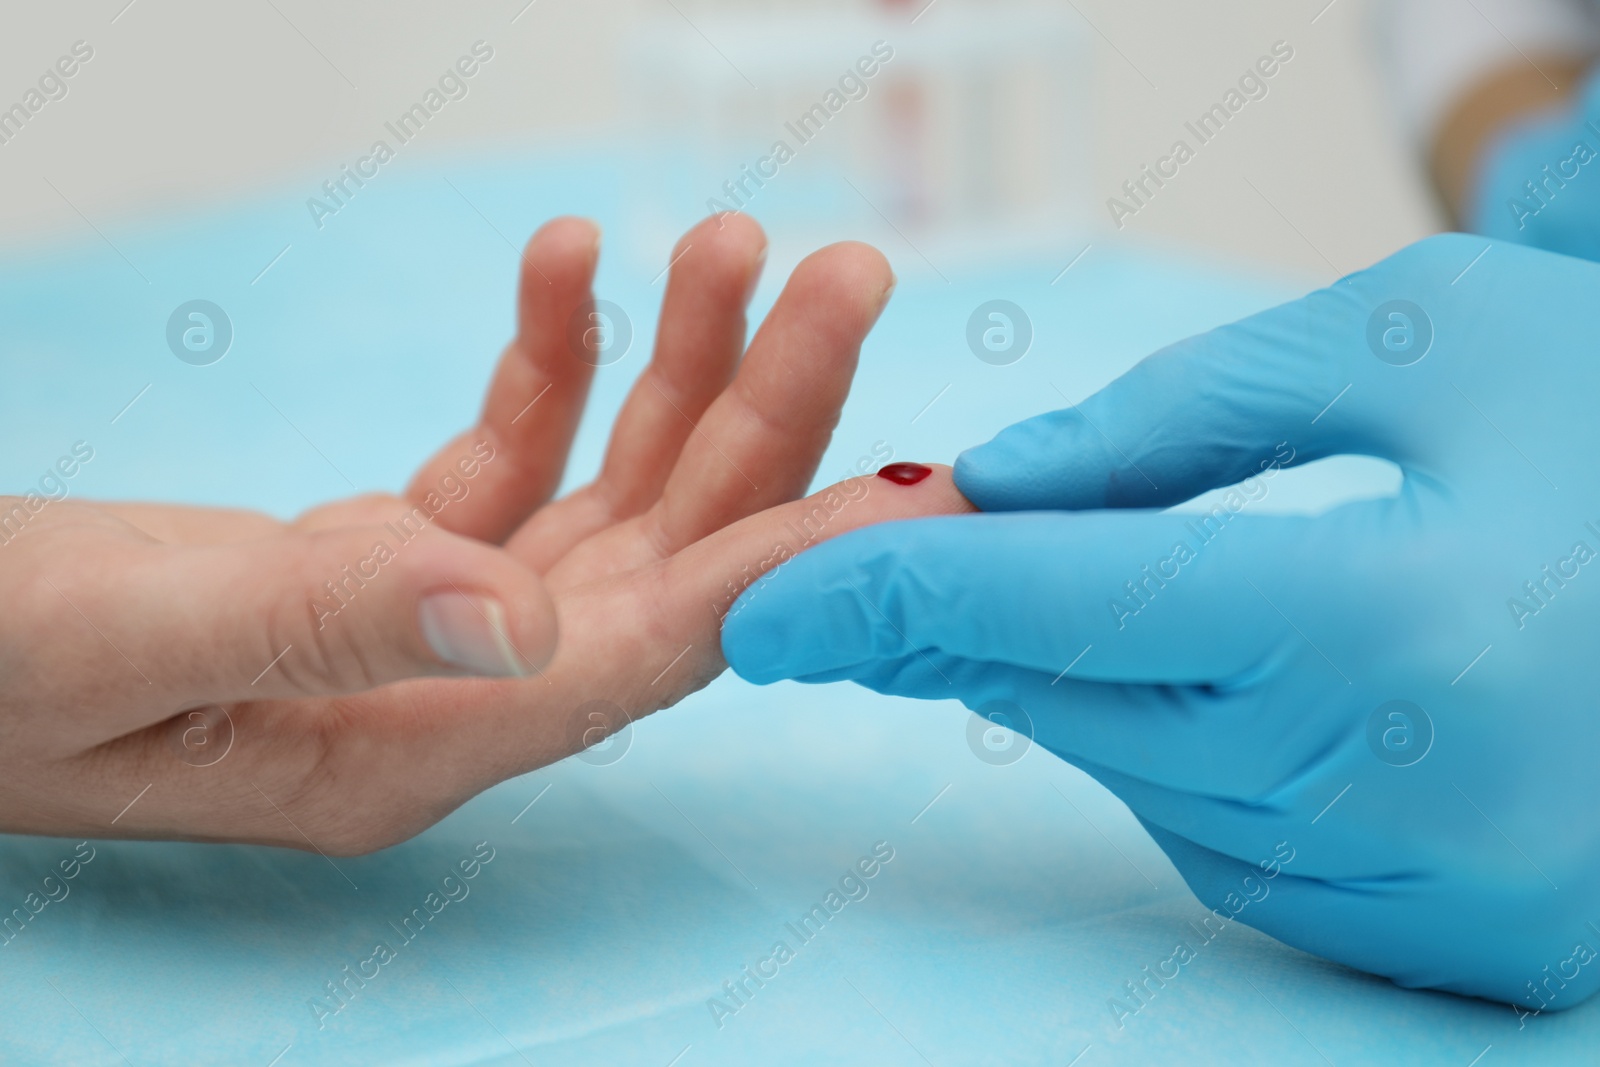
(349,609)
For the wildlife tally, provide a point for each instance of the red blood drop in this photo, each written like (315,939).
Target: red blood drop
(905,473)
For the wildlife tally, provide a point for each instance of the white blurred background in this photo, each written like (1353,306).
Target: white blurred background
(997,124)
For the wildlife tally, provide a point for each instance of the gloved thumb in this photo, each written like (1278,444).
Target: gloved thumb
(1207,412)
(1333,372)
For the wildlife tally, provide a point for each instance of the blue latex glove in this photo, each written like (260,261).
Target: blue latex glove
(1540,182)
(1231,675)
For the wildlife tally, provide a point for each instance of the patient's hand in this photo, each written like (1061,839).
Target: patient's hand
(344,681)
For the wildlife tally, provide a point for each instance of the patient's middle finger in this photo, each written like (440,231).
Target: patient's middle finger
(698,343)
(759,443)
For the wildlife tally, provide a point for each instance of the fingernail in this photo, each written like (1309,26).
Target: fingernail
(755,274)
(469,632)
(883,301)
(599,235)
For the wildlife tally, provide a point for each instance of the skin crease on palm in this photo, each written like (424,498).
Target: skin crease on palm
(122,618)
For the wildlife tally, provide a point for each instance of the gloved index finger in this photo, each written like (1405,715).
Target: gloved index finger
(1110,594)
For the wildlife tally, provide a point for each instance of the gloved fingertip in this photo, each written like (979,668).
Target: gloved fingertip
(972,475)
(1004,476)
(990,474)
(752,642)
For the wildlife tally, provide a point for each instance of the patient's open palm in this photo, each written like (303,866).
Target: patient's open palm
(344,681)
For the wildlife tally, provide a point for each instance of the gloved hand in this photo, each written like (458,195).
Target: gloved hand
(1539,183)
(1233,677)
